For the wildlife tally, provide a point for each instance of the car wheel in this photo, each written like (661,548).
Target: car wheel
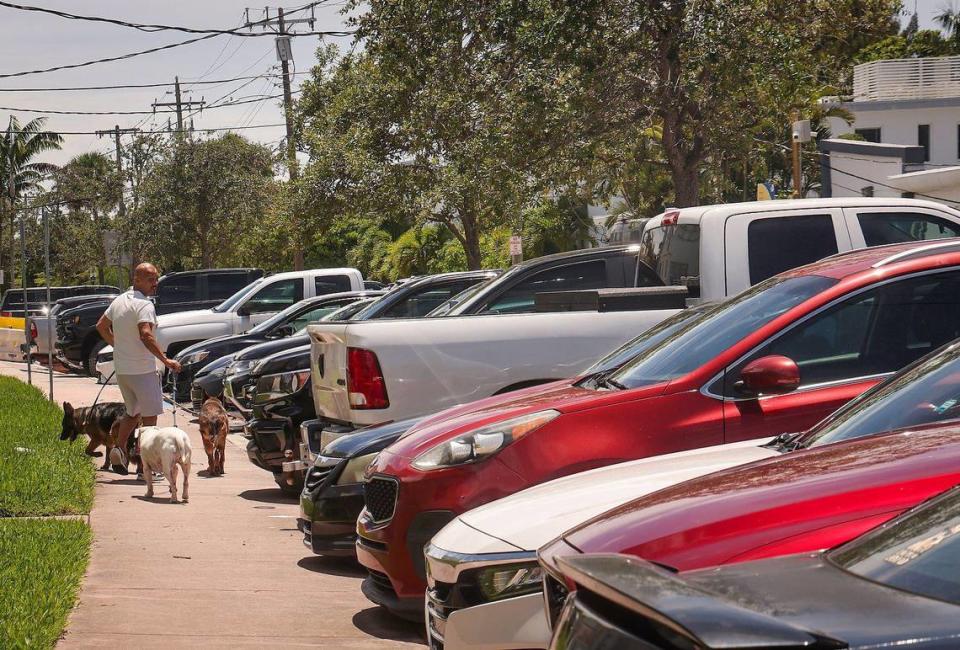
(92,357)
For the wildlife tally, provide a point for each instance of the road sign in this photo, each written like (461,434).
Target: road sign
(516,245)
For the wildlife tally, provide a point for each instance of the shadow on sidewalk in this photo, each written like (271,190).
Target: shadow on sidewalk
(337,566)
(379,623)
(267,495)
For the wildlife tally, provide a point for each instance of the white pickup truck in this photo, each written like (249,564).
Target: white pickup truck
(379,371)
(248,307)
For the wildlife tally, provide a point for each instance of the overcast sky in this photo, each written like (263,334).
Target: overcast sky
(30,41)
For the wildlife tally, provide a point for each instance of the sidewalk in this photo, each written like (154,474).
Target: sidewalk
(227,569)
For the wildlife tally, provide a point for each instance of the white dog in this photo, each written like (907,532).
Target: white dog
(165,449)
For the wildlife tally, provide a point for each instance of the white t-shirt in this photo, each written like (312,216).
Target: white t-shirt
(126,312)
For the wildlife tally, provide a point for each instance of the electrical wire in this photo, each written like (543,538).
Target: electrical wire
(208,130)
(135,86)
(59,112)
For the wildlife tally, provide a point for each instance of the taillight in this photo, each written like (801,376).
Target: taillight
(365,385)
(6,314)
(33,331)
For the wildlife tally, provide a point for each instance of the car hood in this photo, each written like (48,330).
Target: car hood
(802,501)
(267,348)
(565,502)
(220,345)
(563,396)
(368,440)
(193,317)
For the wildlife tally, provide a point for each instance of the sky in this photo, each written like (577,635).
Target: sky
(31,41)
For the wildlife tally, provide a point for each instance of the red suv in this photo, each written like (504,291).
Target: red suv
(775,358)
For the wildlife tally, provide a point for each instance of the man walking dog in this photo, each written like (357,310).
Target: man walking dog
(128,325)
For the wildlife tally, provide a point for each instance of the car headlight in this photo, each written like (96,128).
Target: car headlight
(272,387)
(483,442)
(194,357)
(237,367)
(103,357)
(510,581)
(353,472)
(76,320)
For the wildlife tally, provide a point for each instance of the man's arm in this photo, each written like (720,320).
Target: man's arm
(150,342)
(105,327)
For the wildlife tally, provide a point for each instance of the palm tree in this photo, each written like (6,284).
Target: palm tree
(19,173)
(949,20)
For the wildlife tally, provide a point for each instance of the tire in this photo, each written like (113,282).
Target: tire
(91,360)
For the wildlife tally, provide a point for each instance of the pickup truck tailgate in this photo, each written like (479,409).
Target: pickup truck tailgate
(328,369)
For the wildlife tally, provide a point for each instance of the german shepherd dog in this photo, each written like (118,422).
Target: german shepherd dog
(100,423)
(214,427)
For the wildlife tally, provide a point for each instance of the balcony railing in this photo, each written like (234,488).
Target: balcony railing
(893,79)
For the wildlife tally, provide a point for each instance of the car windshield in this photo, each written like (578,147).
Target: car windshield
(481,290)
(279,319)
(928,391)
(447,307)
(344,313)
(238,296)
(918,552)
(687,348)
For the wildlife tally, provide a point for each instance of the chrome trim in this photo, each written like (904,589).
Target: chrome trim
(704,388)
(920,251)
(446,566)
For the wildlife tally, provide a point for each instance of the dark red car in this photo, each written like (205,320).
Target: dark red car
(806,501)
(776,358)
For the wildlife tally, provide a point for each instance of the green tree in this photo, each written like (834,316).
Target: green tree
(948,17)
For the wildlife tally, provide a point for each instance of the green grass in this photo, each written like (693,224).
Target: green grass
(42,565)
(39,473)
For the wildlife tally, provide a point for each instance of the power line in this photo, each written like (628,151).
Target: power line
(134,86)
(147,27)
(65,112)
(163,131)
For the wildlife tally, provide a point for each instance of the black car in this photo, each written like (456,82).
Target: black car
(78,341)
(332,495)
(202,289)
(420,296)
(193,358)
(12,303)
(896,586)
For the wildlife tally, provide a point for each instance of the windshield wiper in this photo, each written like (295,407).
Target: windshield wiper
(785,442)
(607,381)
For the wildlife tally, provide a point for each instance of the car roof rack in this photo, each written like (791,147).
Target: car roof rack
(951,245)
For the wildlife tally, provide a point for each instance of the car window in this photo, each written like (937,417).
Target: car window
(918,553)
(456,300)
(520,298)
(242,294)
(874,332)
(316,314)
(924,393)
(331,284)
(276,296)
(422,301)
(177,288)
(673,252)
(224,285)
(776,245)
(894,227)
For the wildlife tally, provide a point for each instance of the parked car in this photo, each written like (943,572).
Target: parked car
(12,303)
(283,324)
(895,586)
(43,327)
(78,342)
(777,357)
(202,289)
(495,543)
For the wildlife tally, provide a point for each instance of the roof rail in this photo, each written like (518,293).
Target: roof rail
(952,244)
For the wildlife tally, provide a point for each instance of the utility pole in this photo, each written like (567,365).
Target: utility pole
(121,206)
(285,54)
(800,134)
(178,105)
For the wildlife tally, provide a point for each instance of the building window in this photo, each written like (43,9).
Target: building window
(870,135)
(923,139)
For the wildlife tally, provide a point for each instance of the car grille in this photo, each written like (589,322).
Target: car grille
(320,472)
(61,330)
(437,613)
(555,594)
(380,498)
(196,397)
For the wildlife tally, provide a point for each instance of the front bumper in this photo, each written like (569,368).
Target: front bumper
(328,512)
(270,440)
(237,389)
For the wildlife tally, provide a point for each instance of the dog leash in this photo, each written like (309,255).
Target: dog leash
(86,420)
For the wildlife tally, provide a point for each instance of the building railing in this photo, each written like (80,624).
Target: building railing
(893,79)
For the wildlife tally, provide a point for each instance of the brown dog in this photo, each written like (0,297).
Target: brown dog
(214,426)
(94,421)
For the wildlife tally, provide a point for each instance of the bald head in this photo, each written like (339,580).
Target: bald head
(145,278)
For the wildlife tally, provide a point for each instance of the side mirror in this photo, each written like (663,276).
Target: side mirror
(770,375)
(283,332)
(243,310)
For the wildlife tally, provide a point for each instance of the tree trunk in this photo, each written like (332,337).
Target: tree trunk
(471,241)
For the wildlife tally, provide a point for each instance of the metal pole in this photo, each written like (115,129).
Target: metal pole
(23,280)
(796,162)
(46,279)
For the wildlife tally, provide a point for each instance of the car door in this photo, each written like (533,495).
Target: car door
(759,245)
(843,349)
(271,298)
(875,226)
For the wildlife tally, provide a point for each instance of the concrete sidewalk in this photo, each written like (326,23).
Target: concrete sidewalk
(227,569)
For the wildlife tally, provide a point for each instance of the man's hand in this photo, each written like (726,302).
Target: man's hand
(172,365)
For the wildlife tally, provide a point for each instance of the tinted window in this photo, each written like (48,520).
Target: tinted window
(177,288)
(923,139)
(674,253)
(317,313)
(776,245)
(459,299)
(894,227)
(276,296)
(224,285)
(926,392)
(878,331)
(332,284)
(870,135)
(919,552)
(520,299)
(422,301)
(688,348)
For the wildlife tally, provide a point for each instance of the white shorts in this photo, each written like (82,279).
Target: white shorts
(141,394)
